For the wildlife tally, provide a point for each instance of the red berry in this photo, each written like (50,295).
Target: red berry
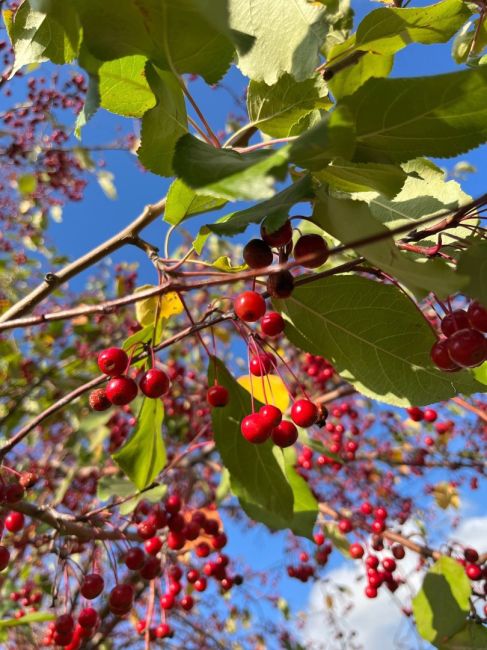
(113,361)
(134,558)
(304,413)
(477,316)
(279,237)
(272,323)
(191,530)
(261,364)
(121,390)
(167,601)
(430,415)
(163,631)
(415,413)
(370,592)
(151,568)
(121,598)
(175,541)
(92,585)
(372,562)
(441,358)
(255,429)
(14,492)
(366,508)
(64,624)
(280,284)
(356,551)
(14,522)
(153,545)
(271,415)
(378,526)
(345,526)
(389,564)
(4,557)
(471,555)
(454,321)
(380,513)
(88,618)
(285,434)
(398,551)
(98,400)
(154,383)
(146,529)
(473,571)
(249,306)
(200,584)
(173,503)
(257,254)
(202,549)
(467,348)
(311,251)
(217,396)
(219,541)
(187,603)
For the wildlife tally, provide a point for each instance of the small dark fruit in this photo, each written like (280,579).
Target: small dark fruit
(441,358)
(272,323)
(467,348)
(217,396)
(257,254)
(279,237)
(477,316)
(113,361)
(311,251)
(280,285)
(454,321)
(98,400)
(285,434)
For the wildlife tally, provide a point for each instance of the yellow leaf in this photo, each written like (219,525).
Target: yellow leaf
(145,310)
(446,496)
(276,392)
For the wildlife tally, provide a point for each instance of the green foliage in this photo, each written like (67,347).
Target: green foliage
(226,174)
(473,264)
(353,322)
(440,116)
(472,637)
(123,86)
(184,202)
(143,456)
(442,605)
(261,476)
(363,177)
(278,110)
(27,619)
(43,30)
(164,124)
(109,487)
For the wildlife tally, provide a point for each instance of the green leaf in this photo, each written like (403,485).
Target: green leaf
(186,36)
(276,207)
(288,37)
(305,509)
(91,105)
(256,475)
(337,538)
(144,455)
(480,373)
(276,109)
(226,174)
(353,322)
(472,637)
(32,617)
(123,86)
(442,605)
(389,29)
(472,263)
(163,125)
(441,116)
(371,64)
(112,486)
(363,177)
(44,30)
(27,183)
(349,221)
(184,202)
(332,137)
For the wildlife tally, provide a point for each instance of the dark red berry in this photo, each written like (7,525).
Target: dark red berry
(467,348)
(64,624)
(88,618)
(261,364)
(257,254)
(473,571)
(477,316)
(163,631)
(187,603)
(173,503)
(389,564)
(345,526)
(255,429)
(217,396)
(113,361)
(304,413)
(415,413)
(311,251)
(134,558)
(121,390)
(280,285)
(285,434)
(146,529)
(167,601)
(454,321)
(98,400)
(249,306)
(370,592)
(356,551)
(279,237)
(121,598)
(272,323)
(441,358)
(175,541)
(398,551)
(14,493)
(153,545)
(271,415)
(154,383)
(471,555)
(92,585)
(430,415)
(151,568)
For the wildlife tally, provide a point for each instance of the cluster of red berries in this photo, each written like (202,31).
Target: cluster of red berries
(67,633)
(465,343)
(309,251)
(121,389)
(28,598)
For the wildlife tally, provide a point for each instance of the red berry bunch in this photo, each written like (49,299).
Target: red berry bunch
(465,343)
